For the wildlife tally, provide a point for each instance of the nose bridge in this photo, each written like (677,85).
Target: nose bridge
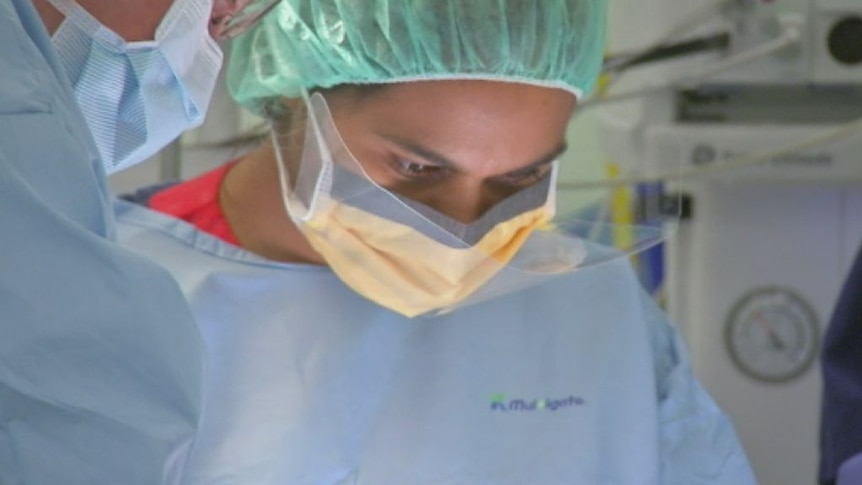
(467,200)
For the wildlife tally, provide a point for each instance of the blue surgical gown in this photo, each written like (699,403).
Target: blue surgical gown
(100,361)
(577,381)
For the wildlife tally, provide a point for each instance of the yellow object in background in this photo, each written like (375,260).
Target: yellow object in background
(621,213)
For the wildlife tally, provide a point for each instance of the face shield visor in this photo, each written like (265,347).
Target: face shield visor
(414,259)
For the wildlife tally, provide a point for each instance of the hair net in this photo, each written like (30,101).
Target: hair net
(306,44)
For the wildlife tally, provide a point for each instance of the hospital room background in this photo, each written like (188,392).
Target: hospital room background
(739,121)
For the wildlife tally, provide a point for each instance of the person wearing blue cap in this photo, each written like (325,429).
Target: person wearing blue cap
(383,290)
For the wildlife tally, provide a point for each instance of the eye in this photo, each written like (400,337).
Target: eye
(526,177)
(418,171)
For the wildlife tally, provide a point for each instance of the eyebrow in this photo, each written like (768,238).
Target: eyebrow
(438,159)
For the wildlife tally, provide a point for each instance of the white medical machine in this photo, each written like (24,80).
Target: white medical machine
(767,130)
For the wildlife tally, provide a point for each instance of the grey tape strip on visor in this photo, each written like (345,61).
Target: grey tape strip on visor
(375,201)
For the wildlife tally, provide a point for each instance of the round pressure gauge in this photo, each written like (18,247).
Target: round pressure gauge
(772,334)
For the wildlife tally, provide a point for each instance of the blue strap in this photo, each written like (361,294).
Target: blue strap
(143,195)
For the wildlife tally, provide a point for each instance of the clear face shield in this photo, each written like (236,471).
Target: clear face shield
(416,260)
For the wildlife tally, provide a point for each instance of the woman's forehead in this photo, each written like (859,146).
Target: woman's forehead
(482,122)
(458,90)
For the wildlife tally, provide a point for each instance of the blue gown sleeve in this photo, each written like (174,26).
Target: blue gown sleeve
(841,411)
(100,360)
(850,471)
(698,442)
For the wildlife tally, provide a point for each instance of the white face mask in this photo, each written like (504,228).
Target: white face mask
(137,97)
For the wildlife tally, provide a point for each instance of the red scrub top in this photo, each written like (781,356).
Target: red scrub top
(196,201)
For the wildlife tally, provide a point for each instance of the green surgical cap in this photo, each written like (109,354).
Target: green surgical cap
(306,44)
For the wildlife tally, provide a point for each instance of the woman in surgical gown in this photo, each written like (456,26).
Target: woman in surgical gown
(344,340)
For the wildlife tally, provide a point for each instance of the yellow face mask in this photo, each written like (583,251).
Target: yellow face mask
(398,253)
(404,270)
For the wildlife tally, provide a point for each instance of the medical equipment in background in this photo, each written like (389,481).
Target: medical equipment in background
(764,112)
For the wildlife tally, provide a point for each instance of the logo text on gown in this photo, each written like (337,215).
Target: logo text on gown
(500,402)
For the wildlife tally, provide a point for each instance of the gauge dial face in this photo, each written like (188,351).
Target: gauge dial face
(772,335)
